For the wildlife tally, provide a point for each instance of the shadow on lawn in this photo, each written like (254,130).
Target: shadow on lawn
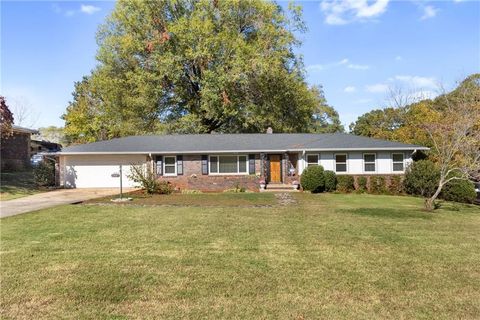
(389,213)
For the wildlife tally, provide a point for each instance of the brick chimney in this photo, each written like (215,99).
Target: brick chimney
(269,130)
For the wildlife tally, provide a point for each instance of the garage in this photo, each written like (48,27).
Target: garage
(95,171)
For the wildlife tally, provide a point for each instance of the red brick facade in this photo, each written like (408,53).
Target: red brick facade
(15,151)
(193,179)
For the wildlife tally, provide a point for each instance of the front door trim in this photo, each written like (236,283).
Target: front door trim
(279,168)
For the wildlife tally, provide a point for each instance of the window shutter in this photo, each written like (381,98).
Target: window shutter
(251,164)
(180,165)
(205,164)
(159,165)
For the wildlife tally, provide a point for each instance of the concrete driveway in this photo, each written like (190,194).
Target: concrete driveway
(52,199)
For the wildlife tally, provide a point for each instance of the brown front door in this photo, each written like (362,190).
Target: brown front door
(275,173)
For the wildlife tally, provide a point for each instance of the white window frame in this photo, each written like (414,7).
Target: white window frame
(231,173)
(374,162)
(335,162)
(312,163)
(164,165)
(403,162)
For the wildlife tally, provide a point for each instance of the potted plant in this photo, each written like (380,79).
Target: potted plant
(295,184)
(262,184)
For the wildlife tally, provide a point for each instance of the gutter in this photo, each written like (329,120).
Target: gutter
(66,153)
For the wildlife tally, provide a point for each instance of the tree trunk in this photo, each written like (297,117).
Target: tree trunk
(430,202)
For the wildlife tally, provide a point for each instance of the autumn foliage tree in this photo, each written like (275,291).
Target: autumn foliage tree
(197,67)
(455,136)
(6,119)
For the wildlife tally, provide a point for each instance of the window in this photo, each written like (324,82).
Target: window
(228,164)
(369,162)
(312,160)
(169,165)
(398,161)
(341,163)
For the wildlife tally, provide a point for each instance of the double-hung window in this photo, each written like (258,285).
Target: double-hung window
(228,164)
(312,160)
(341,162)
(169,165)
(398,162)
(369,162)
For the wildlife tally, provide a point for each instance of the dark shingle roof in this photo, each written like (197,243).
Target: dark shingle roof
(209,143)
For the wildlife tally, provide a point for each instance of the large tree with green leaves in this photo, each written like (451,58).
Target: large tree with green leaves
(197,66)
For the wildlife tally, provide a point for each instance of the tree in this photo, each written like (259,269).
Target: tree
(197,67)
(380,123)
(456,136)
(24,114)
(325,118)
(53,134)
(6,119)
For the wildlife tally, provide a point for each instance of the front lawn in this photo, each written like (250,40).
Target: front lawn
(328,256)
(16,185)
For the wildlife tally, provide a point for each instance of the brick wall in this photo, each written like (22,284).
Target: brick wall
(15,151)
(193,179)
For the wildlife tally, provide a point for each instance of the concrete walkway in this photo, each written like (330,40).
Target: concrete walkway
(52,199)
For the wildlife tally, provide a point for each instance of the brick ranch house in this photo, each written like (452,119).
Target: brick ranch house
(215,162)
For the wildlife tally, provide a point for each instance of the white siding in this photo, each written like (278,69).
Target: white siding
(355,163)
(94,171)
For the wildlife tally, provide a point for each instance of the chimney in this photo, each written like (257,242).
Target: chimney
(269,130)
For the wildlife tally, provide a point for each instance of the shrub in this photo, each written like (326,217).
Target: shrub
(147,180)
(421,178)
(330,180)
(377,185)
(345,183)
(362,184)
(165,187)
(312,179)
(396,185)
(459,191)
(44,174)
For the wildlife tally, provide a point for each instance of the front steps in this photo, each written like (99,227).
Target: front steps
(279,187)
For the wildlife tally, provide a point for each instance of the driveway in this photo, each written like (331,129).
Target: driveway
(52,199)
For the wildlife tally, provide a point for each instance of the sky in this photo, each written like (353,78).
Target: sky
(356,49)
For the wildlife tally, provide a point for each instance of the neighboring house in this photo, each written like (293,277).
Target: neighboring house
(214,162)
(15,149)
(40,146)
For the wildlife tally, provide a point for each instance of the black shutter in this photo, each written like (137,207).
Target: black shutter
(180,165)
(251,164)
(205,164)
(159,165)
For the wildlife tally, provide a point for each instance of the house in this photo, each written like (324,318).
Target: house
(15,149)
(40,146)
(214,162)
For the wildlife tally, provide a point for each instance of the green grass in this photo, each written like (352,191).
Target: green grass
(329,256)
(225,199)
(15,185)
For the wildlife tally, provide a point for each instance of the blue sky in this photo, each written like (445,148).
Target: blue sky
(356,49)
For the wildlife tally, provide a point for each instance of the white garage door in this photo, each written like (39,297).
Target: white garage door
(96,171)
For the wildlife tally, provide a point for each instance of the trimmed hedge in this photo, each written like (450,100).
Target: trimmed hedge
(396,185)
(345,183)
(362,183)
(313,179)
(330,180)
(459,191)
(377,185)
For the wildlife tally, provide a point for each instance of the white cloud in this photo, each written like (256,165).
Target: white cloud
(340,12)
(429,12)
(89,9)
(344,62)
(377,88)
(358,66)
(350,89)
(417,81)
(398,58)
